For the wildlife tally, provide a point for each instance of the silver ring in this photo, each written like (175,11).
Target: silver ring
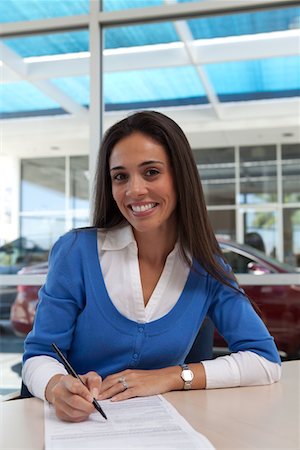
(124,383)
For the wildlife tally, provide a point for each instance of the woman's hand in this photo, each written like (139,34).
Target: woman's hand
(71,399)
(140,383)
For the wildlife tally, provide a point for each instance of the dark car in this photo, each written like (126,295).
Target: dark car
(280,305)
(13,256)
(19,253)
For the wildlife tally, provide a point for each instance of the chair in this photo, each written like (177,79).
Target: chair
(202,347)
(24,391)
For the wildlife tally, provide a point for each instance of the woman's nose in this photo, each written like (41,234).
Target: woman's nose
(136,187)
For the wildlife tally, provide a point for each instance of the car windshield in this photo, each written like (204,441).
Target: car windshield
(20,252)
(257,253)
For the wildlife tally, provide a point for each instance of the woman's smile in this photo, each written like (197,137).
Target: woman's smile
(141,208)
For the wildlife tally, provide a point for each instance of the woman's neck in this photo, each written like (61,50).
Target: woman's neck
(154,247)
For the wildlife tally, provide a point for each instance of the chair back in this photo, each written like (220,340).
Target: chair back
(202,347)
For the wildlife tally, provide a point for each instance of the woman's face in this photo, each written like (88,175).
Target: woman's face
(142,183)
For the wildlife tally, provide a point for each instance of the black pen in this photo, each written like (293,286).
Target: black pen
(72,372)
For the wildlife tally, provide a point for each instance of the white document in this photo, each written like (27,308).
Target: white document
(135,424)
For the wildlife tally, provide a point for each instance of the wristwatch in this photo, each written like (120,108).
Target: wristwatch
(187,376)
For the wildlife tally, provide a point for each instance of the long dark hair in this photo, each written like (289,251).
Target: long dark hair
(195,233)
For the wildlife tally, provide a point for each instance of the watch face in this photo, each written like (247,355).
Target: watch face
(187,375)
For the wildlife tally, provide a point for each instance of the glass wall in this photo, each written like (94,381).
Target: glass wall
(217,170)
(54,197)
(290,173)
(43,184)
(55,193)
(257,177)
(79,183)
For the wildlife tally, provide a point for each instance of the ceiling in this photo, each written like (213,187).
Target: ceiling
(227,80)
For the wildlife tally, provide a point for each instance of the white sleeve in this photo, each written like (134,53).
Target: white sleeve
(244,368)
(37,372)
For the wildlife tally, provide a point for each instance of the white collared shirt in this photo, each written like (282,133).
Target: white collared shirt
(118,258)
(127,294)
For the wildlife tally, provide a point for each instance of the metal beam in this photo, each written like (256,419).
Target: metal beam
(155,13)
(185,35)
(208,51)
(43,26)
(179,11)
(96,101)
(13,61)
(56,94)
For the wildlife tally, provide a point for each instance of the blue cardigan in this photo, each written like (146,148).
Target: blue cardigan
(75,311)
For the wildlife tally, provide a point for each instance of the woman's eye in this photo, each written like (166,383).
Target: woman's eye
(119,177)
(152,172)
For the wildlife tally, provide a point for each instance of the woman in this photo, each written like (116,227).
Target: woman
(125,298)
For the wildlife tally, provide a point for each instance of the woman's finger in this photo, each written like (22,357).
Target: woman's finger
(72,400)
(75,386)
(93,382)
(113,387)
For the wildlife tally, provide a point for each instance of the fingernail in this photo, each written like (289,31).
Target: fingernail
(95,392)
(89,398)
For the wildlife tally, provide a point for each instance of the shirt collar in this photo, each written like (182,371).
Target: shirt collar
(117,238)
(121,237)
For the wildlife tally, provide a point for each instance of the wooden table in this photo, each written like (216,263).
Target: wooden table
(262,417)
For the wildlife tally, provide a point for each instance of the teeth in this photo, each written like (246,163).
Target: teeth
(142,208)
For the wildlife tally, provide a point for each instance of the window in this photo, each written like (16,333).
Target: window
(216,167)
(291,235)
(290,173)
(237,261)
(79,182)
(258,174)
(43,184)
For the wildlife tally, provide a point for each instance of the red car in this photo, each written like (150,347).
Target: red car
(280,305)
(23,308)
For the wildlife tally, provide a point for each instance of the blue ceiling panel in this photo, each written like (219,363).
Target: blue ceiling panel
(23,96)
(78,88)
(152,85)
(50,44)
(245,23)
(277,76)
(137,35)
(21,10)
(117,5)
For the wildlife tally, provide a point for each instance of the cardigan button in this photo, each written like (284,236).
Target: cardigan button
(135,356)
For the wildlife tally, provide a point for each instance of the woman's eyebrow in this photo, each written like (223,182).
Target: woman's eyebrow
(147,163)
(117,168)
(144,163)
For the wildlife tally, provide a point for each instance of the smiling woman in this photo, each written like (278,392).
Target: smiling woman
(129,323)
(200,61)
